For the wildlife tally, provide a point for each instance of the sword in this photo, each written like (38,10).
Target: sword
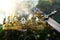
(51,21)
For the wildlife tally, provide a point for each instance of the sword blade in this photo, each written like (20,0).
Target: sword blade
(54,24)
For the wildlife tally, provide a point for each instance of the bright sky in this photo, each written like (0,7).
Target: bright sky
(8,7)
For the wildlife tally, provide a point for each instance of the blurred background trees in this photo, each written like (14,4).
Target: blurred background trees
(48,5)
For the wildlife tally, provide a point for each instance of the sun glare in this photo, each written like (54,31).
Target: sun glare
(7,7)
